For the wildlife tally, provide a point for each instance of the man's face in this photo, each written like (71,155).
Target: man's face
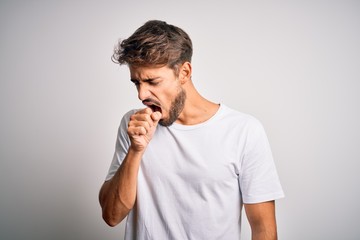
(160,89)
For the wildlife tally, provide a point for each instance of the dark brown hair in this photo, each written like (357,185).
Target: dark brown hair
(155,43)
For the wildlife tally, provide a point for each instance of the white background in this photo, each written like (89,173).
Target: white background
(295,65)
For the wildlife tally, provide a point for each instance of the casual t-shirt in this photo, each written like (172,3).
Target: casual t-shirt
(193,180)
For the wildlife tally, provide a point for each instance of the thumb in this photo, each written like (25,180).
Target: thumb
(156,116)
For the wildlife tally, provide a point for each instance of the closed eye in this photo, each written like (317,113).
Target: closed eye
(150,81)
(153,83)
(135,82)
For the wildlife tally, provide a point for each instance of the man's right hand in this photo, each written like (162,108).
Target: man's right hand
(118,195)
(141,128)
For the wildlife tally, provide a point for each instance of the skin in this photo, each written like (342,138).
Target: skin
(261,217)
(160,86)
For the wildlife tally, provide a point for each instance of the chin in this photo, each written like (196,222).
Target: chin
(165,122)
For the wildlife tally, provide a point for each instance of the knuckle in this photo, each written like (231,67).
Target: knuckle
(143,130)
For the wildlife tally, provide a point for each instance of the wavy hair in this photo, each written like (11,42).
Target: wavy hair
(155,43)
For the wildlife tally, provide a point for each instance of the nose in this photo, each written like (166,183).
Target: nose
(143,92)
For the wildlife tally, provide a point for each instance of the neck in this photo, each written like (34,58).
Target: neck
(197,109)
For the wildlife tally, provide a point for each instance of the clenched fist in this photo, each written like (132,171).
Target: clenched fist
(141,128)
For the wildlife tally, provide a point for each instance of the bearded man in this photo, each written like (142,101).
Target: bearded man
(184,167)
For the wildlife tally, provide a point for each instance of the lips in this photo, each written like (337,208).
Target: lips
(153,105)
(155,108)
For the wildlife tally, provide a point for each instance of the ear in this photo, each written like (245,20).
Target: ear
(185,72)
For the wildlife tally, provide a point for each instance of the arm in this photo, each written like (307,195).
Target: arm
(117,196)
(261,217)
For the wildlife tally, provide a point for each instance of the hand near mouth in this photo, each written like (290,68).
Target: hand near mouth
(142,126)
(155,106)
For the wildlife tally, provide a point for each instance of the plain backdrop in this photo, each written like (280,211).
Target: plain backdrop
(295,65)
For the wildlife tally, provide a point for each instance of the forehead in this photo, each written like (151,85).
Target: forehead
(146,72)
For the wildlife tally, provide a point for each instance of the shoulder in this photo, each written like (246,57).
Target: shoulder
(235,117)
(126,117)
(125,121)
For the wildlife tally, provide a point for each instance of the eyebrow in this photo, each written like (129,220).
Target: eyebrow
(145,80)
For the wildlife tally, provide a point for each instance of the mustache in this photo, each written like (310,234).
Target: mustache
(151,101)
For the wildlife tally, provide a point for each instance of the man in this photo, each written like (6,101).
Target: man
(184,166)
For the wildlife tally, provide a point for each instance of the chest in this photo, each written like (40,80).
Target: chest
(196,159)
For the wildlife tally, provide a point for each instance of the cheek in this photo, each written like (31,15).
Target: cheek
(166,100)
(168,94)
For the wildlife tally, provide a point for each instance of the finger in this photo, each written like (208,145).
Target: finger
(148,110)
(141,120)
(156,116)
(143,115)
(137,131)
(144,111)
(143,124)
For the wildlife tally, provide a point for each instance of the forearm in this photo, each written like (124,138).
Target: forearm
(264,234)
(117,196)
(262,220)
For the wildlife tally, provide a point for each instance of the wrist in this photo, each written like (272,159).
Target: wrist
(136,151)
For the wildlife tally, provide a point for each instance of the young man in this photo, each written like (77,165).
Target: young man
(184,166)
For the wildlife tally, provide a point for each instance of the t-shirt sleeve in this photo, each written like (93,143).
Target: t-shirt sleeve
(258,178)
(121,146)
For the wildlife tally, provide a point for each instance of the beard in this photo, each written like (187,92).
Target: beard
(176,108)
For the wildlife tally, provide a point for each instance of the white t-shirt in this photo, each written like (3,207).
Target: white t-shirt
(194,179)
